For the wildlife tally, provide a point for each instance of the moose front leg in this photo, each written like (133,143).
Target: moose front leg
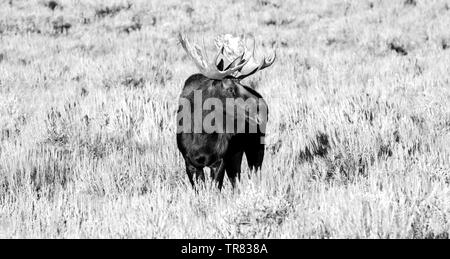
(192,171)
(218,172)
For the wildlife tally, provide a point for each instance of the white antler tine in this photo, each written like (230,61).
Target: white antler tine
(236,62)
(240,66)
(255,66)
(205,53)
(214,60)
(270,60)
(189,49)
(254,46)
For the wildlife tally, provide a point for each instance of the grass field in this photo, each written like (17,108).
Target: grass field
(359,127)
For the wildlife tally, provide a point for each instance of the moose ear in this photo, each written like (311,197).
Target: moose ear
(247,92)
(258,116)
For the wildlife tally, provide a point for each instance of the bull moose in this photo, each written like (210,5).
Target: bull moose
(216,95)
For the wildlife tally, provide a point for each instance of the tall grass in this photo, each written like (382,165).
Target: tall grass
(359,127)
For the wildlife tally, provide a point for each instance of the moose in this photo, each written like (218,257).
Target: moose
(220,146)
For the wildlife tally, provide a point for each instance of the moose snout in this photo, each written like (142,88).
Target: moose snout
(200,159)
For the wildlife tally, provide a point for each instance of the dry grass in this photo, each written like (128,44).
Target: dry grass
(359,120)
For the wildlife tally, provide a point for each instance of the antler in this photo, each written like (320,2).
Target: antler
(210,68)
(240,68)
(254,66)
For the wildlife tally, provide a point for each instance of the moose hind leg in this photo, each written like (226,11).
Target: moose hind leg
(233,167)
(255,157)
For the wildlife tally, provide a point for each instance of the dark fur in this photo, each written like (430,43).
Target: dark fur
(222,152)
